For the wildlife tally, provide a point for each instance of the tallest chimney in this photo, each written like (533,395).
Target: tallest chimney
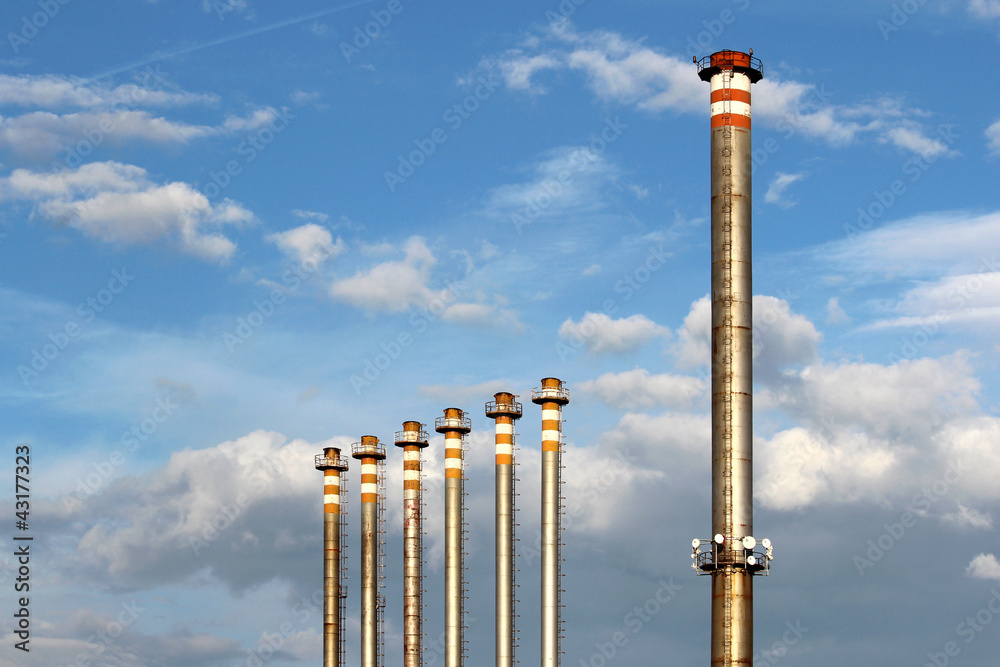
(730,558)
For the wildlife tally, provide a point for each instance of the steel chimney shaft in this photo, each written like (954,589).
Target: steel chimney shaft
(730,74)
(332,465)
(370,452)
(412,439)
(505,410)
(454,425)
(551,396)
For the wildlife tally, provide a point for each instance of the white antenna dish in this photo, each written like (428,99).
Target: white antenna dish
(695,543)
(749,542)
(751,560)
(766,543)
(719,539)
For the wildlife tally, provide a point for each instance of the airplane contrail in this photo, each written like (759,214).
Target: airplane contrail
(224,40)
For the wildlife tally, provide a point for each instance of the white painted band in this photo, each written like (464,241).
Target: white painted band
(331,481)
(738,81)
(411,475)
(548,415)
(411,455)
(369,487)
(369,469)
(738,108)
(504,448)
(410,494)
(507,429)
(453,463)
(452,440)
(331,499)
(550,436)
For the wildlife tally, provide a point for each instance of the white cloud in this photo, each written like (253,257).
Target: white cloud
(931,244)
(309,244)
(967,516)
(601,334)
(392,286)
(993,137)
(776,190)
(799,468)
(986,9)
(781,338)
(118,203)
(569,178)
(304,97)
(483,316)
(310,215)
(835,313)
(984,566)
(618,69)
(638,389)
(52,92)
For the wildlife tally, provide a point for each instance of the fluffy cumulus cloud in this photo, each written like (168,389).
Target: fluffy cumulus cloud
(601,334)
(984,566)
(626,71)
(782,338)
(400,285)
(638,389)
(393,286)
(216,509)
(118,203)
(54,92)
(309,244)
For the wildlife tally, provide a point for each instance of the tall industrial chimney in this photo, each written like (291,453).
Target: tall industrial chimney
(504,409)
(551,396)
(412,439)
(332,465)
(729,556)
(454,425)
(371,452)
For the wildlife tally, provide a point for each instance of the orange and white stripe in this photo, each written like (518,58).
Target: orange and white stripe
(331,491)
(730,99)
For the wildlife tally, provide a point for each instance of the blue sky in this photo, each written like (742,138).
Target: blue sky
(233,232)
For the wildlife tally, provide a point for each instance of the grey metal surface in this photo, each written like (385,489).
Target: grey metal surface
(331,586)
(369,584)
(504,565)
(412,585)
(732,392)
(550,559)
(453,547)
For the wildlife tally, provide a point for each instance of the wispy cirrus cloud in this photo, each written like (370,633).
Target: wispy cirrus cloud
(626,71)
